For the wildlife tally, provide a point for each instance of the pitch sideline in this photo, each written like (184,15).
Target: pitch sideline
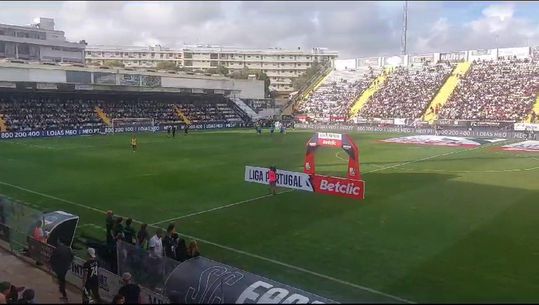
(218,208)
(327,277)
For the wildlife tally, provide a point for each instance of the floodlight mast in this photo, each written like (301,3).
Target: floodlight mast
(404,27)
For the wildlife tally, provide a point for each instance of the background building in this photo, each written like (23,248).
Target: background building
(281,66)
(39,42)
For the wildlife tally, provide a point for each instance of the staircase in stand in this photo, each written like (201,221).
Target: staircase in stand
(181,115)
(103,116)
(534,109)
(3,124)
(241,104)
(306,94)
(446,91)
(367,94)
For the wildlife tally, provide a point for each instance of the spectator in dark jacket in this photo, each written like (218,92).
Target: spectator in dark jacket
(168,243)
(129,232)
(130,291)
(60,262)
(181,248)
(109,224)
(143,236)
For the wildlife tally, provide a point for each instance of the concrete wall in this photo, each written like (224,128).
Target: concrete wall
(32,75)
(250,89)
(175,82)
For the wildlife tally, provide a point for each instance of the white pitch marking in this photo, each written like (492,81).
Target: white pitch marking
(423,159)
(218,208)
(327,277)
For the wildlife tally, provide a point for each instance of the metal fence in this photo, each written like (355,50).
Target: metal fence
(146,268)
(16,222)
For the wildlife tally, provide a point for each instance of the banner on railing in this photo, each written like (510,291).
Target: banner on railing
(421,130)
(526,127)
(204,281)
(107,130)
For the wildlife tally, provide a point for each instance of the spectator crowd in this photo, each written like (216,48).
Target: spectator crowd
(407,92)
(30,112)
(503,90)
(334,98)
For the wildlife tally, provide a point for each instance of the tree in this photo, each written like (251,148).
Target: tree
(304,78)
(167,65)
(114,63)
(222,70)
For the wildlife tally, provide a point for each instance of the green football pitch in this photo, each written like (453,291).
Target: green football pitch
(439,224)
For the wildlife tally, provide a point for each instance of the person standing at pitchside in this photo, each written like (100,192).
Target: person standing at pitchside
(272,177)
(134,143)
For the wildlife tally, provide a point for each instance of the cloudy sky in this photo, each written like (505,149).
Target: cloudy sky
(355,29)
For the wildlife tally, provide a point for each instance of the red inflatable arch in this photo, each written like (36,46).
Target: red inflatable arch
(352,186)
(335,140)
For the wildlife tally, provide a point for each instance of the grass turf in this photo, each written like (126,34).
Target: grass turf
(458,227)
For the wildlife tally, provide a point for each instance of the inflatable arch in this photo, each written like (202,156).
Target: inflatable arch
(335,140)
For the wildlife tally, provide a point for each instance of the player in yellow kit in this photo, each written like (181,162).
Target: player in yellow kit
(134,143)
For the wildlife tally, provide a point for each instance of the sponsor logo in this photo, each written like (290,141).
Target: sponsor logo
(328,142)
(293,180)
(526,127)
(261,292)
(209,288)
(330,136)
(485,124)
(339,186)
(348,188)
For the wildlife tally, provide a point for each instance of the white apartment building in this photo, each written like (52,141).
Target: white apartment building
(39,42)
(281,66)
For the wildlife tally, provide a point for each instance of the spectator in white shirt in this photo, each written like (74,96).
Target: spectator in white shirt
(156,244)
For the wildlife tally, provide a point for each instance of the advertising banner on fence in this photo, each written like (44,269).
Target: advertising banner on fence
(107,130)
(203,281)
(426,131)
(293,180)
(526,127)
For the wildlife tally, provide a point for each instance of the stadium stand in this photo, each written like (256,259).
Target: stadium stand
(503,90)
(376,84)
(160,112)
(30,112)
(335,96)
(407,92)
(446,91)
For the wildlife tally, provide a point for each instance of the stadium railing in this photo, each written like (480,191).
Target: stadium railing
(16,223)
